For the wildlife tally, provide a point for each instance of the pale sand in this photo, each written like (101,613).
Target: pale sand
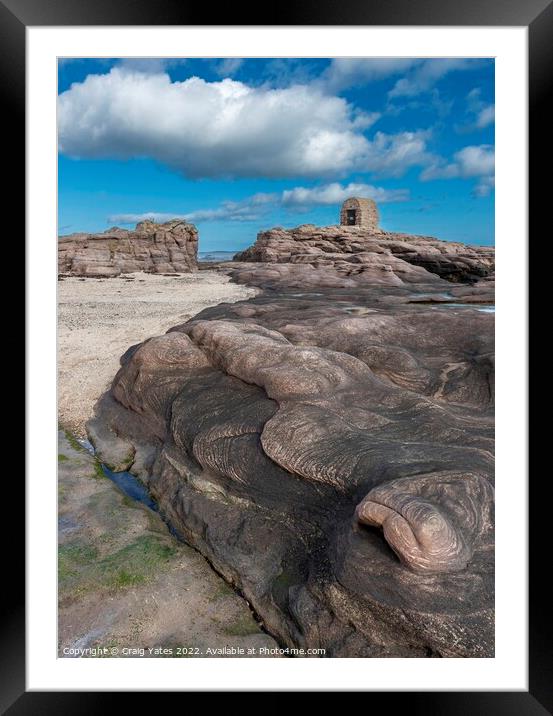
(98,319)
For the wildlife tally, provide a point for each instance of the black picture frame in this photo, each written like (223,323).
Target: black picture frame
(537,16)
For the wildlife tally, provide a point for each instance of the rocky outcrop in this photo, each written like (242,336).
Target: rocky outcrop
(153,248)
(336,245)
(328,444)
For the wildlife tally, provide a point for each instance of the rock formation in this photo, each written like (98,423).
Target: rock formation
(153,248)
(369,247)
(328,444)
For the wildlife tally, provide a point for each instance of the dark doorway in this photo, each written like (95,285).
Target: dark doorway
(350,217)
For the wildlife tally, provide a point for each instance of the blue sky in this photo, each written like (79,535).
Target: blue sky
(240,145)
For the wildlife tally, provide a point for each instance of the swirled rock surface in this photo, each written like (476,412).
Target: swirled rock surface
(328,446)
(171,247)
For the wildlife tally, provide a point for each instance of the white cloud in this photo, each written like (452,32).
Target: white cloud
(259,205)
(420,75)
(286,71)
(229,66)
(424,76)
(346,72)
(211,128)
(148,65)
(393,154)
(250,209)
(469,162)
(484,186)
(476,161)
(226,128)
(337,193)
(481,113)
(486,116)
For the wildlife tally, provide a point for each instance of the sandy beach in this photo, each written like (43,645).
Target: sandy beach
(98,319)
(124,580)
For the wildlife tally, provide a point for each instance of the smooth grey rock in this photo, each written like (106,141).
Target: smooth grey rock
(167,248)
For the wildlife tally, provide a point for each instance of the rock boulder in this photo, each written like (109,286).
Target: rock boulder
(334,245)
(171,247)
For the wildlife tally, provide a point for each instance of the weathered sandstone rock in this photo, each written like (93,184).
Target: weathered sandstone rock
(370,247)
(153,248)
(328,444)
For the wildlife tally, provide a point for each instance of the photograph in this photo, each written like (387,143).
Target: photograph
(275,357)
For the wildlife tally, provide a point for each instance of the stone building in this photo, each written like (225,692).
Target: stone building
(359,212)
